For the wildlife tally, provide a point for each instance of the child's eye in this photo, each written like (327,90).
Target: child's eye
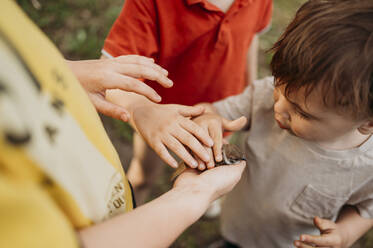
(302,115)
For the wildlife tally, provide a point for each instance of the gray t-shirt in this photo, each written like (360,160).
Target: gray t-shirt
(288,180)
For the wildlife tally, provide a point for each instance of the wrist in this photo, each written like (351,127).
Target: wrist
(82,72)
(128,100)
(72,67)
(345,235)
(197,198)
(141,105)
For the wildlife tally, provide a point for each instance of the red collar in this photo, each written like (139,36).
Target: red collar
(191,2)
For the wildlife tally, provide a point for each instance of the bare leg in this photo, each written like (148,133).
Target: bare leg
(144,169)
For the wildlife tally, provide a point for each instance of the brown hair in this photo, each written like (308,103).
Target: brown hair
(329,44)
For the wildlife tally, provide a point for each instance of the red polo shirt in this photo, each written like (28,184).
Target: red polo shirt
(203,48)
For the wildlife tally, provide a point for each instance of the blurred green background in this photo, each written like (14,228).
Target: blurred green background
(79,27)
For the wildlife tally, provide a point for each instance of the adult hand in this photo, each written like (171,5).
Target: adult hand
(169,126)
(124,72)
(216,181)
(330,236)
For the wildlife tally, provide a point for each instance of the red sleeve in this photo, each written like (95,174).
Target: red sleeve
(266,16)
(134,31)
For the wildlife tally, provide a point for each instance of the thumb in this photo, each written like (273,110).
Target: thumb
(323,224)
(190,111)
(234,125)
(109,109)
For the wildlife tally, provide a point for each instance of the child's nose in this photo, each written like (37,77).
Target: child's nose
(282,108)
(286,116)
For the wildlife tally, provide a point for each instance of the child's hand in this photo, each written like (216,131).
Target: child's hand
(215,125)
(170,126)
(331,236)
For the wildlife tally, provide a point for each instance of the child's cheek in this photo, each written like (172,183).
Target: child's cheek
(303,130)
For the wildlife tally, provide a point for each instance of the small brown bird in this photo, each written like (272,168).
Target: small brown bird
(231,155)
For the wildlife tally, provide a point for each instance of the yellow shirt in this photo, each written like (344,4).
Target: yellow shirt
(58,169)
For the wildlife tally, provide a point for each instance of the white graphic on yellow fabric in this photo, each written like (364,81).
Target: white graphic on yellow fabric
(57,143)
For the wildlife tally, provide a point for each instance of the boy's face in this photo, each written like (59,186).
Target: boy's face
(310,119)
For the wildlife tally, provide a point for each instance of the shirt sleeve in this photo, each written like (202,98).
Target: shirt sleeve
(255,97)
(134,31)
(236,106)
(264,23)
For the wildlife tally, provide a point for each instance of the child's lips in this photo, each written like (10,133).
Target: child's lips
(280,124)
(286,128)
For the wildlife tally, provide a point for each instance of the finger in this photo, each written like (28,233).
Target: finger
(324,224)
(216,134)
(190,141)
(321,240)
(198,132)
(201,165)
(234,125)
(129,84)
(231,172)
(300,244)
(144,71)
(109,109)
(191,111)
(174,145)
(133,58)
(140,60)
(211,163)
(163,153)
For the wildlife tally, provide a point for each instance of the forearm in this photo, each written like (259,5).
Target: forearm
(156,224)
(353,225)
(81,72)
(74,68)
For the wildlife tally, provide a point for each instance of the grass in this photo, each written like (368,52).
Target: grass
(79,27)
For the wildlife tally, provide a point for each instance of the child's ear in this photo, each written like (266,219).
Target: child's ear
(366,127)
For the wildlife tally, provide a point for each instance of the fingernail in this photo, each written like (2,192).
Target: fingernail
(158,98)
(124,117)
(194,164)
(206,157)
(175,165)
(302,238)
(170,82)
(165,71)
(210,165)
(219,158)
(296,243)
(210,142)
